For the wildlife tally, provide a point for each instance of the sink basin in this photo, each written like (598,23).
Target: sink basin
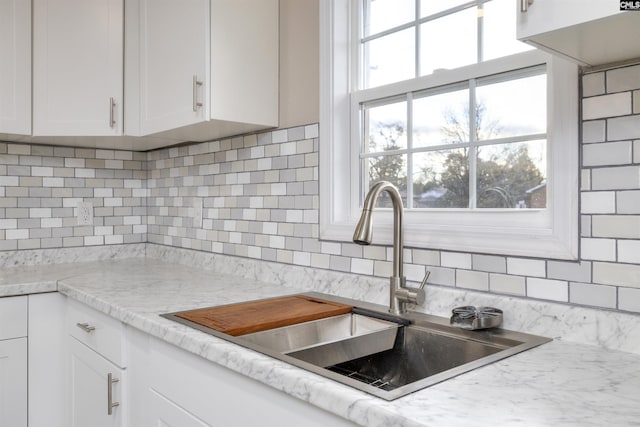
(384,355)
(329,341)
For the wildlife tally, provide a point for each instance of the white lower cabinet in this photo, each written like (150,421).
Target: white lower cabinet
(164,412)
(13,382)
(178,388)
(95,388)
(13,361)
(48,361)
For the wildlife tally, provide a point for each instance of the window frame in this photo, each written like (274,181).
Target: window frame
(548,233)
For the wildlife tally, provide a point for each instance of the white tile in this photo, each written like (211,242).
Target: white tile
(476,280)
(628,202)
(490,263)
(593,84)
(585,179)
(598,202)
(9,181)
(414,273)
(623,78)
(24,149)
(16,234)
(595,295)
(311,131)
(629,251)
(382,268)
(455,260)
(555,290)
(506,284)
(593,131)
(571,271)
(620,128)
(526,267)
(616,274)
(616,178)
(442,276)
(598,107)
(10,223)
(40,213)
(606,154)
(426,257)
(629,299)
(621,226)
(41,171)
(331,248)
(598,249)
(362,266)
(636,151)
(300,258)
(375,252)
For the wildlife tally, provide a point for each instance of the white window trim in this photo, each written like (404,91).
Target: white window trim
(495,232)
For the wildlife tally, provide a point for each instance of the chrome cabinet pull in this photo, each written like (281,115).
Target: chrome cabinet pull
(112,112)
(86,327)
(524,5)
(196,85)
(110,403)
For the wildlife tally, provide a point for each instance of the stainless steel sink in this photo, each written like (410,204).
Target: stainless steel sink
(381,354)
(329,341)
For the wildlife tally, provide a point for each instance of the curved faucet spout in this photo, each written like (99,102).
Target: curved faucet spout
(399,294)
(364,230)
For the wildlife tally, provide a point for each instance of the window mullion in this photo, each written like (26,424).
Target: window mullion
(409,150)
(473,153)
(480,32)
(417,35)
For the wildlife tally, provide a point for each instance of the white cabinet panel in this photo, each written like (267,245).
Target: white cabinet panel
(15,67)
(590,32)
(13,317)
(48,361)
(13,382)
(166,413)
(220,54)
(100,332)
(90,388)
(77,67)
(174,41)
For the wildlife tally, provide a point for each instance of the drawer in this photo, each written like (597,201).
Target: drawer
(102,333)
(13,317)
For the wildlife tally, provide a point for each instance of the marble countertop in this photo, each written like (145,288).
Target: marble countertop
(556,384)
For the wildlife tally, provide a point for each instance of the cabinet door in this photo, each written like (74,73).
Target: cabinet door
(589,32)
(13,382)
(163,412)
(48,361)
(549,15)
(77,67)
(93,396)
(15,67)
(173,58)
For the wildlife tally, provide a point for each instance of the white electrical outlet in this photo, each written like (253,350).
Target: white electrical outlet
(84,213)
(197,212)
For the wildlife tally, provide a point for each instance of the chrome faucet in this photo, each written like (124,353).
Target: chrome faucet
(399,294)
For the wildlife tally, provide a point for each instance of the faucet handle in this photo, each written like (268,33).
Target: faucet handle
(424,281)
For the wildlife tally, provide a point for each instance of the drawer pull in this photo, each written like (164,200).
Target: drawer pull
(110,403)
(86,327)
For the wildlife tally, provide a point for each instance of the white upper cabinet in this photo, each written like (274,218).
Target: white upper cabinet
(172,44)
(197,70)
(589,32)
(77,67)
(15,67)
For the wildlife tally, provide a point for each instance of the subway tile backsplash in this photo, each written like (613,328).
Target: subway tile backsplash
(257,196)
(40,187)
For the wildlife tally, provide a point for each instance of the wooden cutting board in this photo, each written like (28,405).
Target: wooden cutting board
(255,316)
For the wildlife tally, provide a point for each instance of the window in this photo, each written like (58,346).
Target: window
(478,130)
